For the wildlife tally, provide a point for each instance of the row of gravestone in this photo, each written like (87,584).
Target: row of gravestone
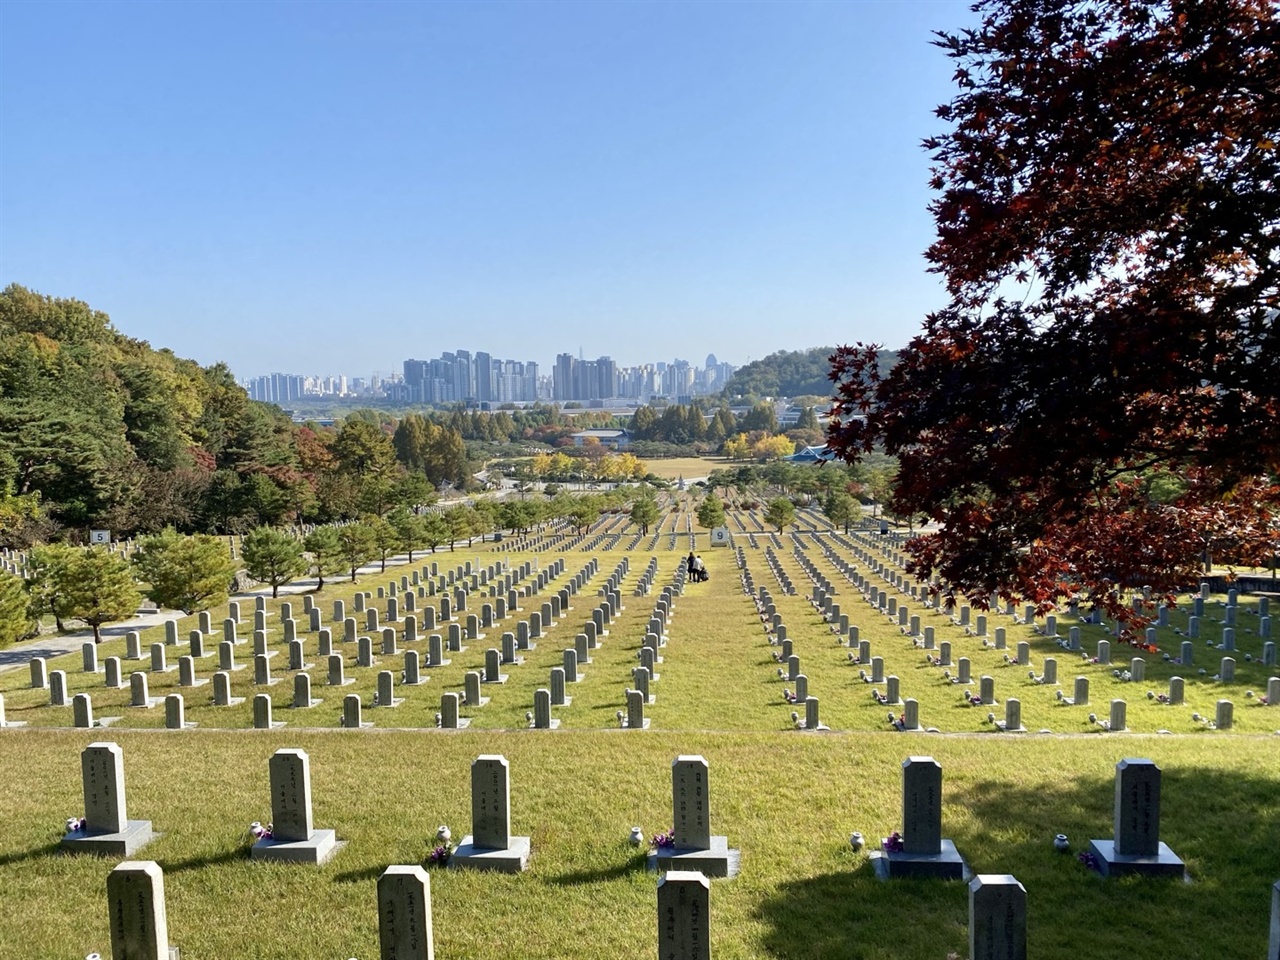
(822,599)
(919,850)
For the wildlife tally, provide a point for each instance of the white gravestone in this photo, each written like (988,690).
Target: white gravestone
(107,830)
(696,848)
(135,905)
(293,838)
(490,845)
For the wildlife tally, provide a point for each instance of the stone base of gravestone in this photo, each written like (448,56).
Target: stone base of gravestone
(317,849)
(947,864)
(626,724)
(715,861)
(135,835)
(555,725)
(514,859)
(294,705)
(1165,863)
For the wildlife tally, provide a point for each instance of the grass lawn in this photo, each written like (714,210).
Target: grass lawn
(788,799)
(687,467)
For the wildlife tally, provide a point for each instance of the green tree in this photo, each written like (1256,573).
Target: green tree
(273,557)
(841,509)
(410,529)
(386,539)
(710,512)
(363,449)
(357,544)
(16,621)
(435,530)
(413,490)
(324,547)
(46,577)
(184,573)
(760,417)
(459,521)
(98,587)
(644,512)
(780,512)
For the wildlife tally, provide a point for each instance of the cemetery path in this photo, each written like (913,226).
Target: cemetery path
(21,654)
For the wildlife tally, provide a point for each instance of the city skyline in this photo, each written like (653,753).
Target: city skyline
(282,185)
(480,378)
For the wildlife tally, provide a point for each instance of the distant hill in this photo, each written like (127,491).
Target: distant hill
(791,373)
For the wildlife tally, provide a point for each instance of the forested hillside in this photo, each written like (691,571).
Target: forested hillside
(791,373)
(101,430)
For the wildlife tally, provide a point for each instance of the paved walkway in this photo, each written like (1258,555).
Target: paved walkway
(56,645)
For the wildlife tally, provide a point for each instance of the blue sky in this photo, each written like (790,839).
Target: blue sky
(333,187)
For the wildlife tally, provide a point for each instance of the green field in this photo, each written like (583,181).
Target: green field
(787,799)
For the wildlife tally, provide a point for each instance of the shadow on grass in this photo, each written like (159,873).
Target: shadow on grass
(1224,824)
(636,864)
(48,850)
(234,855)
(367,873)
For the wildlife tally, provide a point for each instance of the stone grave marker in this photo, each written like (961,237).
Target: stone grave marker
(107,829)
(136,908)
(924,852)
(490,845)
(1137,847)
(997,918)
(293,838)
(404,914)
(684,921)
(695,848)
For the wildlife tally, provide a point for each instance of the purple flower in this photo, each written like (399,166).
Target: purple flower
(892,843)
(665,839)
(440,855)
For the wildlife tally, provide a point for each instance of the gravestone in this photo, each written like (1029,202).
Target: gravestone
(187,673)
(138,694)
(1118,722)
(262,713)
(542,719)
(387,690)
(82,711)
(302,698)
(404,914)
(196,642)
(924,853)
(175,713)
(222,691)
(997,918)
(449,719)
(111,670)
(337,672)
(1080,693)
(490,845)
(558,696)
(695,848)
(136,908)
(352,716)
(107,829)
(471,688)
(89,657)
(635,718)
(412,676)
(1224,715)
(684,916)
(293,837)
(987,690)
(39,673)
(227,657)
(1137,847)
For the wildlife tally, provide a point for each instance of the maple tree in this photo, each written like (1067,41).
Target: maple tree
(1108,227)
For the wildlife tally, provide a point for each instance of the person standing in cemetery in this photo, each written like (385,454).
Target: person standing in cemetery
(699,570)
